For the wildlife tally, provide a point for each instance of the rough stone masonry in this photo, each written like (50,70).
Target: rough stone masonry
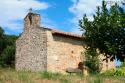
(43,49)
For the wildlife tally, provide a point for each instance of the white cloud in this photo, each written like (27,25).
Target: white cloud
(84,6)
(81,7)
(13,10)
(48,23)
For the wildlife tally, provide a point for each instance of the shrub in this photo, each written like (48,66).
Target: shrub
(92,61)
(7,58)
(123,64)
(7,49)
(114,72)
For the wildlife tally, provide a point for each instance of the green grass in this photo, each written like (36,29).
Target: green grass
(12,76)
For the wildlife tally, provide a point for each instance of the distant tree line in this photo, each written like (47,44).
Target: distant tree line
(7,49)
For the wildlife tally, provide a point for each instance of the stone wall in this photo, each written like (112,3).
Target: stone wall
(63,52)
(106,65)
(39,50)
(31,51)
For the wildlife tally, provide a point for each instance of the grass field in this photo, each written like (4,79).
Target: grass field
(12,76)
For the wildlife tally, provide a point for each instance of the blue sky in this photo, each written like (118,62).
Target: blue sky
(57,14)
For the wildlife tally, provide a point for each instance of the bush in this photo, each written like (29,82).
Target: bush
(92,61)
(123,64)
(7,49)
(114,72)
(7,58)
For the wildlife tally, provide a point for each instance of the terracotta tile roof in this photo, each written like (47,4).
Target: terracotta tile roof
(64,33)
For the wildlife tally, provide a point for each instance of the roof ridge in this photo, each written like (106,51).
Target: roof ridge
(56,31)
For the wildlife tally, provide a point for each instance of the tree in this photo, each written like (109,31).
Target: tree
(8,57)
(92,61)
(1,32)
(106,32)
(1,39)
(7,49)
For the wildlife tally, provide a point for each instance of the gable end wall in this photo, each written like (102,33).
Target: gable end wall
(31,51)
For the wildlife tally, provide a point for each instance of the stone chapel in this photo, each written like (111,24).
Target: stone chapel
(44,49)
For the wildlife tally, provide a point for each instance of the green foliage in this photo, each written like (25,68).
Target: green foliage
(7,58)
(106,32)
(1,32)
(114,72)
(123,64)
(92,61)
(7,49)
(1,39)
